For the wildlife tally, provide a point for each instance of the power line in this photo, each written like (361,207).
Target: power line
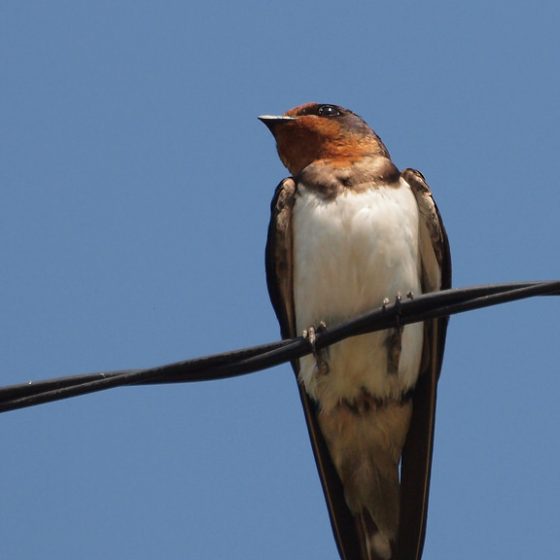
(248,360)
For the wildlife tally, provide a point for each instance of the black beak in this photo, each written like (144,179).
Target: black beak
(271,121)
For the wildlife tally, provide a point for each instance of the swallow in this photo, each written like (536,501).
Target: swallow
(348,232)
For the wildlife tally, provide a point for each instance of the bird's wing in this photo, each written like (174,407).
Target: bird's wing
(279,273)
(417,453)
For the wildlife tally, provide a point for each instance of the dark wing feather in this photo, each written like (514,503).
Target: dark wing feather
(279,274)
(417,453)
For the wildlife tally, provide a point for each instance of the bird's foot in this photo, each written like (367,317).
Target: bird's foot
(393,342)
(311,335)
(397,305)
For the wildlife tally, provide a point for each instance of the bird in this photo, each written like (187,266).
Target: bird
(349,232)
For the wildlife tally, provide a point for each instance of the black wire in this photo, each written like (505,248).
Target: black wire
(248,360)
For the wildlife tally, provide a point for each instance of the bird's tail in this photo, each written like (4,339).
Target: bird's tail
(366,448)
(375,545)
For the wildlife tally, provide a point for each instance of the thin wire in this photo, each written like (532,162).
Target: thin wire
(248,360)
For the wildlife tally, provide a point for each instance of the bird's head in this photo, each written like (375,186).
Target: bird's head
(316,131)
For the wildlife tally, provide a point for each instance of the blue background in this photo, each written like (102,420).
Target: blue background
(135,184)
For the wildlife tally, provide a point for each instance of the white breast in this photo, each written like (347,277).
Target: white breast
(349,254)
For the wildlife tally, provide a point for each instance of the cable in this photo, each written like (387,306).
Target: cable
(248,360)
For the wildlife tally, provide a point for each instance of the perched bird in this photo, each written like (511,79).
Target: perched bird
(349,232)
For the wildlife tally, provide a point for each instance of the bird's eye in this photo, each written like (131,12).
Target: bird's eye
(328,111)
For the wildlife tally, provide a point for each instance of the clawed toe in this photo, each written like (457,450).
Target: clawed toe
(311,335)
(397,305)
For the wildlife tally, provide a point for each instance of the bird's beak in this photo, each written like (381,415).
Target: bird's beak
(272,120)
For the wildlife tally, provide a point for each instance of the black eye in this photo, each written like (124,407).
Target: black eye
(328,111)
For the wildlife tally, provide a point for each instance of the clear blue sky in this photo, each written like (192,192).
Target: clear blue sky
(135,183)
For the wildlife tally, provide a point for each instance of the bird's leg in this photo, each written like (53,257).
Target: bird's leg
(393,342)
(311,335)
(398,301)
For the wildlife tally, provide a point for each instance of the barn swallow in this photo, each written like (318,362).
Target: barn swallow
(348,232)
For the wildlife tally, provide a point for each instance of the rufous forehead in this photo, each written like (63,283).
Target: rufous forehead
(298,109)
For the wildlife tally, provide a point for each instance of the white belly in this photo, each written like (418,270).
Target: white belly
(349,254)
